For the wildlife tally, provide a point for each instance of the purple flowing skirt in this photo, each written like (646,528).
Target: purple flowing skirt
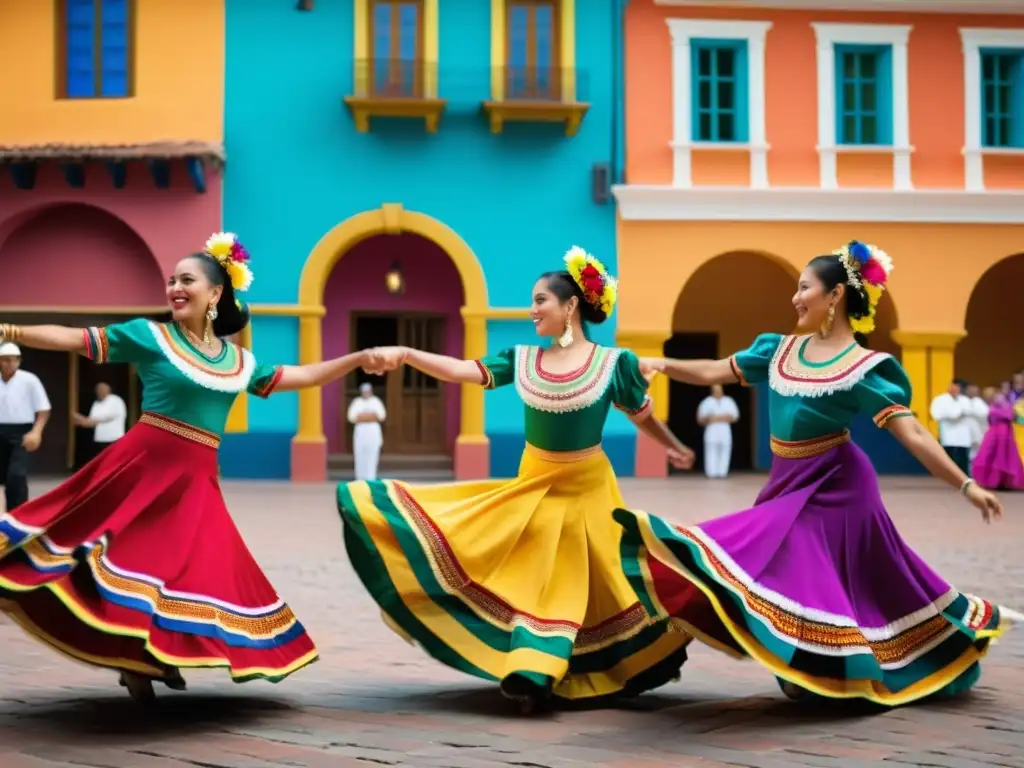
(815,583)
(998,464)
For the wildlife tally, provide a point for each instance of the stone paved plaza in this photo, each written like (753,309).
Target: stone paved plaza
(374,701)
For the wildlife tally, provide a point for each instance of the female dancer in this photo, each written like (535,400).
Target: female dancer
(134,563)
(814,581)
(998,464)
(520,581)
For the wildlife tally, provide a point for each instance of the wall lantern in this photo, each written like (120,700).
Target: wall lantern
(394,280)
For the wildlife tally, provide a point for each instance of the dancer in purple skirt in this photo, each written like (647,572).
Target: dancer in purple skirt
(814,581)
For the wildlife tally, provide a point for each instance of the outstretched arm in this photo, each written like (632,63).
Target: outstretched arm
(680,455)
(294,377)
(440,367)
(926,449)
(58,338)
(699,372)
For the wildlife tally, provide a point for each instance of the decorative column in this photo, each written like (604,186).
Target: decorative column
(651,459)
(928,360)
(309,446)
(472,448)
(238,416)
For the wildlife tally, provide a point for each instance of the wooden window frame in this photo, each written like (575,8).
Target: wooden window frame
(396,63)
(739,109)
(61,51)
(554,91)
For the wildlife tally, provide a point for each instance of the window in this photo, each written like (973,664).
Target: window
(719,90)
(532,58)
(863,94)
(396,48)
(95,42)
(1002,98)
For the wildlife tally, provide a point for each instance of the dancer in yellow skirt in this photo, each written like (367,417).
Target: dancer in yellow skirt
(521,581)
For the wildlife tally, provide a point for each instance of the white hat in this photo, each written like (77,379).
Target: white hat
(366,387)
(9,349)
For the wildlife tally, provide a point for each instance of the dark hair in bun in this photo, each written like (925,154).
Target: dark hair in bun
(564,287)
(232,315)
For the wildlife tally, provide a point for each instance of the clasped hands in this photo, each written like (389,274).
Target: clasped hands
(379,360)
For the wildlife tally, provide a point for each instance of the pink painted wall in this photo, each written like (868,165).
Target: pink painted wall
(432,284)
(77,237)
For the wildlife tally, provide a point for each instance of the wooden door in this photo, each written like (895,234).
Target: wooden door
(415,404)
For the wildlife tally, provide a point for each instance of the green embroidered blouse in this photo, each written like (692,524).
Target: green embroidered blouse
(180,381)
(813,399)
(567,412)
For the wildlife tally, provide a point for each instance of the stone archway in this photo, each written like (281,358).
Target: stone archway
(309,447)
(992,350)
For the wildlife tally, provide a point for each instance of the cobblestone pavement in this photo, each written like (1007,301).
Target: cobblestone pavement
(374,701)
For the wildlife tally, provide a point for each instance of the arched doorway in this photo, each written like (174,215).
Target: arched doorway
(309,448)
(362,312)
(76,265)
(727,302)
(993,350)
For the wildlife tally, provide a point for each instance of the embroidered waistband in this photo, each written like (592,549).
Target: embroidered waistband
(563,457)
(181,429)
(804,449)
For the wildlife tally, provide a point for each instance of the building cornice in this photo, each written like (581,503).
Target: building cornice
(1003,7)
(638,202)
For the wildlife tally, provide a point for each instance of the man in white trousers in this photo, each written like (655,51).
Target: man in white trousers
(367,412)
(717,413)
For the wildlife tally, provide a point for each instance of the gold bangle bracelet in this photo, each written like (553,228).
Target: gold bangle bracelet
(10,332)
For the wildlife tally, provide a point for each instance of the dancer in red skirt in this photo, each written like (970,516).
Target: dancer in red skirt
(134,563)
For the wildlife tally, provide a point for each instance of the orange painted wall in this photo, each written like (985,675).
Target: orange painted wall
(935,84)
(179,77)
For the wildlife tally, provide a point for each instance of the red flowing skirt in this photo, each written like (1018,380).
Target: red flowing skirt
(135,564)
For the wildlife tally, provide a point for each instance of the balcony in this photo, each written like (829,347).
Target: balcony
(536,95)
(395,88)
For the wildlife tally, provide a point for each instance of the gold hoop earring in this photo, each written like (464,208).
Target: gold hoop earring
(826,327)
(566,338)
(211,315)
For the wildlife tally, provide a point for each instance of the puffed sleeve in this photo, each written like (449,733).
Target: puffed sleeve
(128,342)
(265,378)
(629,387)
(751,364)
(497,370)
(884,393)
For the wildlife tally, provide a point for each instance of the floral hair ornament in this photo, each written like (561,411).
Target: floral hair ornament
(227,251)
(600,289)
(867,270)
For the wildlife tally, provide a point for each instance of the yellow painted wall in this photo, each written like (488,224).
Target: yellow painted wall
(179,78)
(936,266)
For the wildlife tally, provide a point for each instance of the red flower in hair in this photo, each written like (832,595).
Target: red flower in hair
(591,281)
(873,272)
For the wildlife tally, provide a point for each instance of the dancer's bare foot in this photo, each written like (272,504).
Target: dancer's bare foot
(792,690)
(140,688)
(175,681)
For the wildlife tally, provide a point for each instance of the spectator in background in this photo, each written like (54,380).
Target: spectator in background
(951,410)
(24,411)
(978,413)
(108,418)
(717,413)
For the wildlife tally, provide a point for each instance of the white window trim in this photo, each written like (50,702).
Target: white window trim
(895,36)
(753,34)
(974,39)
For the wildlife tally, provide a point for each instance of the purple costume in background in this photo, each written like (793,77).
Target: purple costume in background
(998,464)
(814,582)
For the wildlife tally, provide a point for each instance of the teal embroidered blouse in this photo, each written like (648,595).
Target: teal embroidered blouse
(813,399)
(179,380)
(567,412)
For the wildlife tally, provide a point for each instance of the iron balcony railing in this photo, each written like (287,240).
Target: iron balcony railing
(387,78)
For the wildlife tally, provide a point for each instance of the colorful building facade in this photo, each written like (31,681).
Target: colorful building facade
(110,157)
(765,133)
(402,171)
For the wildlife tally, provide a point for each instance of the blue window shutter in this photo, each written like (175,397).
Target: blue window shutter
(518,45)
(382,31)
(1017,102)
(840,107)
(695,80)
(883,94)
(114,56)
(80,37)
(742,103)
(544,28)
(408,26)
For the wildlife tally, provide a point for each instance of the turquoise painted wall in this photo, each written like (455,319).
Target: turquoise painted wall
(297,167)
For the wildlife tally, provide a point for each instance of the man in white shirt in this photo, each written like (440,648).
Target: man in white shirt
(952,411)
(24,411)
(108,417)
(978,412)
(367,412)
(717,413)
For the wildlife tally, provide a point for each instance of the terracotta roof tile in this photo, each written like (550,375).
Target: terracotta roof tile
(156,149)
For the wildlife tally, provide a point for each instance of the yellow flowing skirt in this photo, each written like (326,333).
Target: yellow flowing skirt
(518,581)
